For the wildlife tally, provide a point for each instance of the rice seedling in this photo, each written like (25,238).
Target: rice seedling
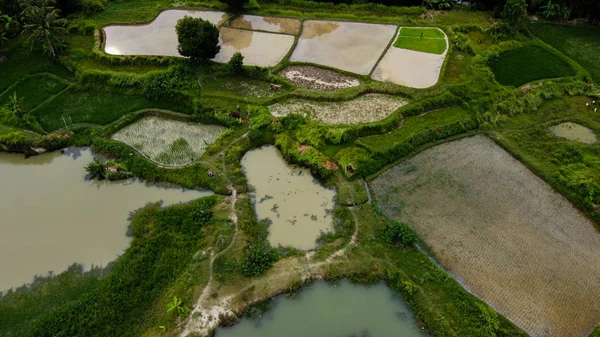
(169,142)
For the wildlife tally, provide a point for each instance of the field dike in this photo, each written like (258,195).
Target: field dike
(364,109)
(168,142)
(502,232)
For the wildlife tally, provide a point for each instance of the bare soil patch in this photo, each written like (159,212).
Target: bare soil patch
(574,132)
(318,78)
(501,231)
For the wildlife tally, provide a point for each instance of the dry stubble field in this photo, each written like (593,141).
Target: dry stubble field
(501,231)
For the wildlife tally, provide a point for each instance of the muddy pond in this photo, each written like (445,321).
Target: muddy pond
(325,310)
(53,217)
(297,207)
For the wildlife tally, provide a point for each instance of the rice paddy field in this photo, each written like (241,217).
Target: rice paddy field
(364,109)
(169,142)
(502,232)
(529,63)
(427,40)
(34,89)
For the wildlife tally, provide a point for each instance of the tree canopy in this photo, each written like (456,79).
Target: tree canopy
(198,39)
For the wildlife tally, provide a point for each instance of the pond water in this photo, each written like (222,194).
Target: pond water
(298,207)
(52,217)
(574,132)
(325,310)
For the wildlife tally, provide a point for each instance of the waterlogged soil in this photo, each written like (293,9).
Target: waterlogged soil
(410,68)
(266,23)
(258,48)
(325,310)
(52,217)
(155,38)
(349,46)
(501,231)
(364,109)
(297,207)
(574,132)
(318,78)
(169,142)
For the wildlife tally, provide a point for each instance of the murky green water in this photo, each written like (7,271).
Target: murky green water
(325,310)
(51,217)
(298,206)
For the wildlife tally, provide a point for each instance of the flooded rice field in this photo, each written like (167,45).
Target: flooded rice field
(363,109)
(410,68)
(309,77)
(169,142)
(259,48)
(155,38)
(349,46)
(574,132)
(297,207)
(266,23)
(324,310)
(52,217)
(503,232)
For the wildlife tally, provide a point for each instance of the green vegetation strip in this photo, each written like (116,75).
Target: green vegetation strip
(422,32)
(529,63)
(427,40)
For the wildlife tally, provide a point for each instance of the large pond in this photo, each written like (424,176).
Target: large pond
(52,217)
(325,310)
(298,207)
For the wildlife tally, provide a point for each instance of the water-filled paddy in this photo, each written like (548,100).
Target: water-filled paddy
(169,142)
(266,23)
(52,217)
(574,132)
(155,38)
(502,231)
(298,207)
(350,46)
(364,109)
(325,310)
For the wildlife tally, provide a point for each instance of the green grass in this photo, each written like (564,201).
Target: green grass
(96,107)
(34,89)
(413,125)
(426,45)
(94,64)
(7,129)
(427,32)
(529,63)
(580,42)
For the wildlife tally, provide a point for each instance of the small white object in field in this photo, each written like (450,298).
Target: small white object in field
(587,104)
(596,109)
(593,102)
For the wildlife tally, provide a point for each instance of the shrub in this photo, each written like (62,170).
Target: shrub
(399,234)
(96,169)
(235,6)
(237,62)
(198,39)
(258,258)
(93,6)
(515,12)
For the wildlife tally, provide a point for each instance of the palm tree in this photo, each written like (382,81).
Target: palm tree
(43,23)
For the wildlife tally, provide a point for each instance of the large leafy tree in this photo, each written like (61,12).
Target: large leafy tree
(515,12)
(43,23)
(235,6)
(198,39)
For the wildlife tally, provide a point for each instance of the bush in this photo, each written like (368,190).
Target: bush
(93,6)
(399,234)
(258,258)
(515,12)
(237,62)
(235,6)
(198,39)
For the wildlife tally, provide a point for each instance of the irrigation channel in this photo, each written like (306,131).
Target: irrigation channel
(53,217)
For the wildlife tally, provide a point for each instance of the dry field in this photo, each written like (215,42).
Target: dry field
(574,132)
(318,78)
(349,46)
(501,231)
(364,109)
(410,68)
(168,142)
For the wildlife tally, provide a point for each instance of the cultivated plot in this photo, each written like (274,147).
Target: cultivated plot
(155,38)
(259,48)
(168,142)
(503,232)
(349,46)
(266,23)
(364,109)
(414,61)
(318,78)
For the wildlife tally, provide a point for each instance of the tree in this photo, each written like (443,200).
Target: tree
(515,12)
(237,62)
(198,39)
(43,24)
(398,233)
(96,169)
(258,258)
(235,6)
